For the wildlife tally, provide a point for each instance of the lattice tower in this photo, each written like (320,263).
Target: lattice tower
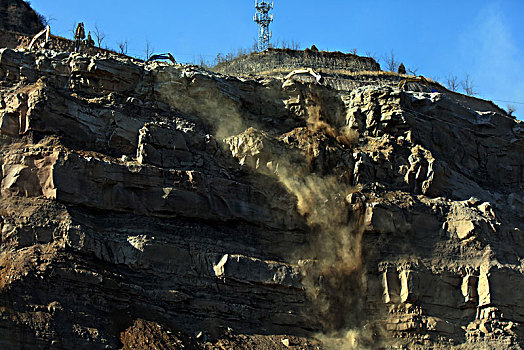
(263,19)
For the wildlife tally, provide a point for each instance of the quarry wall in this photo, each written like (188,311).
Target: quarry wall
(287,60)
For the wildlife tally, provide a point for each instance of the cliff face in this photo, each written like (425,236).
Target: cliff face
(286,60)
(167,205)
(338,70)
(18,16)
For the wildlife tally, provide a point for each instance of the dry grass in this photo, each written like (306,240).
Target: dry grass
(285,71)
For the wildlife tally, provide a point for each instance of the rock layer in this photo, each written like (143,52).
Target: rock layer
(143,199)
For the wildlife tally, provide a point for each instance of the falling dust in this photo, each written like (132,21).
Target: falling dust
(335,281)
(336,284)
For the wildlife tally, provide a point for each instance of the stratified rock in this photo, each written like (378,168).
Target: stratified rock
(143,199)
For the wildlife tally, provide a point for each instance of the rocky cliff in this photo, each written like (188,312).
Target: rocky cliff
(339,70)
(160,206)
(286,60)
(18,16)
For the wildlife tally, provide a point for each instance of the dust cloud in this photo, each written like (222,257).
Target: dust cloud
(335,282)
(333,277)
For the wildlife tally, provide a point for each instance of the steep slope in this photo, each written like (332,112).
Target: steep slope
(149,203)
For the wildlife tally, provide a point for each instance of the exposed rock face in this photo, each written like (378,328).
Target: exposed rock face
(286,60)
(338,70)
(18,16)
(169,205)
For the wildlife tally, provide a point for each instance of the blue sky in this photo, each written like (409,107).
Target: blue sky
(482,38)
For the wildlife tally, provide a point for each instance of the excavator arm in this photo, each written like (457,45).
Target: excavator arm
(316,75)
(164,56)
(419,79)
(46,31)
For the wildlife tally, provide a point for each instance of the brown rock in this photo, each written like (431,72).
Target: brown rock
(143,203)
(18,16)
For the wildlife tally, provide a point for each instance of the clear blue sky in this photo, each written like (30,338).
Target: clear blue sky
(482,38)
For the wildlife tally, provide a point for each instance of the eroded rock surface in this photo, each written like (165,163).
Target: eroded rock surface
(18,16)
(171,205)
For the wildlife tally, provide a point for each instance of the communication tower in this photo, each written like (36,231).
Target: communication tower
(263,19)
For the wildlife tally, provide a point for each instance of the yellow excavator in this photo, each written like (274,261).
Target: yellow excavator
(419,79)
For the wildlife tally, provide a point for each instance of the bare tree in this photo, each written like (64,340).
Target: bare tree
(452,82)
(412,70)
(353,51)
(391,62)
(149,50)
(122,46)
(44,20)
(99,35)
(372,55)
(203,62)
(229,57)
(468,86)
(219,59)
(511,109)
(242,52)
(255,45)
(73,31)
(284,44)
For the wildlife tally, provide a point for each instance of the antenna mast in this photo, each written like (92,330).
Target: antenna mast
(263,19)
